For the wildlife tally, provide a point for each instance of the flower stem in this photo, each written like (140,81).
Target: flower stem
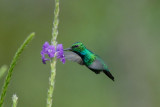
(14,61)
(54,60)
(14,99)
(55,24)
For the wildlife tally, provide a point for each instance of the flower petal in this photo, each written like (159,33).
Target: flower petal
(44,59)
(45,47)
(51,51)
(59,47)
(63,60)
(60,53)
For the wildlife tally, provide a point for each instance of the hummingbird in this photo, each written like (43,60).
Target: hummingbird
(83,56)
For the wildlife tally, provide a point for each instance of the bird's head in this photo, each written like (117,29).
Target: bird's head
(77,47)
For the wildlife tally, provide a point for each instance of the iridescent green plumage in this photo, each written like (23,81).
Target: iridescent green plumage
(80,54)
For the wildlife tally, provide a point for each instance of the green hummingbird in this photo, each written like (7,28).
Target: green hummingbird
(80,54)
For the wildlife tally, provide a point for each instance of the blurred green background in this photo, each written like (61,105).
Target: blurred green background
(125,33)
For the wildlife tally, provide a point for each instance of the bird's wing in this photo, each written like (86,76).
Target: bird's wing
(98,64)
(73,57)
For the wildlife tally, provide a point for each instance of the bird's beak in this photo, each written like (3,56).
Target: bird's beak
(68,49)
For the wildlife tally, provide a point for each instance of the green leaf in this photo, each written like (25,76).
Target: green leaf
(14,61)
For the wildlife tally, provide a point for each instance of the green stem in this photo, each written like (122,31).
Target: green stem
(54,60)
(55,23)
(14,99)
(14,61)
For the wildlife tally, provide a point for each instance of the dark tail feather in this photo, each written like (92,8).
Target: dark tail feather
(108,74)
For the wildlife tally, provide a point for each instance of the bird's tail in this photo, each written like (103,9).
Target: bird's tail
(108,74)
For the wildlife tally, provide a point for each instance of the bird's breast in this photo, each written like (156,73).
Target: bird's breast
(89,59)
(87,56)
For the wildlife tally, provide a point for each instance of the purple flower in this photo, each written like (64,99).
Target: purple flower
(50,51)
(44,59)
(47,50)
(60,53)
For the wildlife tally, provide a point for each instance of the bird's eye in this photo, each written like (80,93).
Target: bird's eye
(76,46)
